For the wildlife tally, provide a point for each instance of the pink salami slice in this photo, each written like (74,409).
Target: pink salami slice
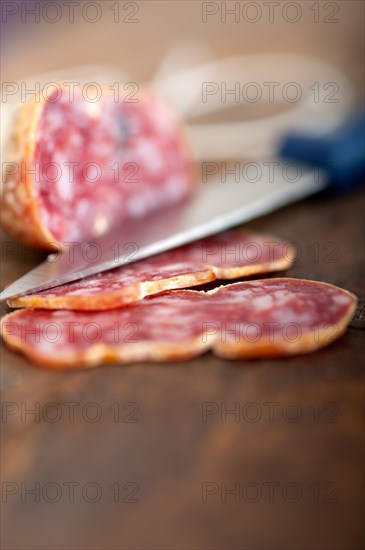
(228,255)
(79,167)
(273,317)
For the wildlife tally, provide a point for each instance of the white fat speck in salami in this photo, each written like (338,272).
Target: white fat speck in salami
(228,255)
(230,320)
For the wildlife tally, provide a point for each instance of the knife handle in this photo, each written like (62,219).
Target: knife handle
(341,153)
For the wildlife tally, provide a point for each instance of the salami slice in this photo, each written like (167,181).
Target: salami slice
(228,255)
(273,317)
(77,168)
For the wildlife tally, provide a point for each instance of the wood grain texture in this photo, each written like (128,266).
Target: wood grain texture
(308,440)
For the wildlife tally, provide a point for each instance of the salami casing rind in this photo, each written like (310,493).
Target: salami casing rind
(263,318)
(78,168)
(228,255)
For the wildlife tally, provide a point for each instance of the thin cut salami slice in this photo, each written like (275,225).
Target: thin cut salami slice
(228,255)
(79,167)
(273,317)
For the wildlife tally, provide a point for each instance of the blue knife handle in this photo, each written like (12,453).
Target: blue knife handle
(341,153)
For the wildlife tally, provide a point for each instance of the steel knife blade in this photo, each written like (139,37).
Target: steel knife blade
(215,206)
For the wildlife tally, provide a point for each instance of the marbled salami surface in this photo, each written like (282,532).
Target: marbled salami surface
(273,317)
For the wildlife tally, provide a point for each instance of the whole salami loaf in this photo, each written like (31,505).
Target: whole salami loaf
(76,168)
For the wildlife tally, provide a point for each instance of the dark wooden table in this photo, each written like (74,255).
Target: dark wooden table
(149,457)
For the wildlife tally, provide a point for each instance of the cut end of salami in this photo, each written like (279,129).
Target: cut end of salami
(229,255)
(77,168)
(251,319)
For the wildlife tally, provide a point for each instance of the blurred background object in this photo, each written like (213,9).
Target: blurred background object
(137,35)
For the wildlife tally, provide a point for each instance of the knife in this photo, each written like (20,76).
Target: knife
(338,159)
